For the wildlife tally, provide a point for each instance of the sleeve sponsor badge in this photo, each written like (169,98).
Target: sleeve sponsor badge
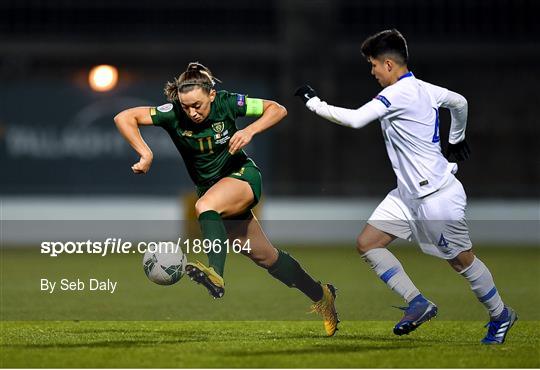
(385,101)
(240,100)
(165,108)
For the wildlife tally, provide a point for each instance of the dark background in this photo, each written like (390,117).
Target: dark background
(57,136)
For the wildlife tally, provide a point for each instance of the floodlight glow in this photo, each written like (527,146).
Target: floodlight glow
(103,77)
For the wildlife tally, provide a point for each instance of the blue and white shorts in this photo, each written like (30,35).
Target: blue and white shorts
(436,222)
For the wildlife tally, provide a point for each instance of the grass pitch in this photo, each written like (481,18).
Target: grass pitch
(259,323)
(261,344)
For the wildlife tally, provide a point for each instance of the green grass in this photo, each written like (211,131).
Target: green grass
(260,344)
(259,323)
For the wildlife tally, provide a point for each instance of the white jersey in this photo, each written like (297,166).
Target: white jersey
(409,114)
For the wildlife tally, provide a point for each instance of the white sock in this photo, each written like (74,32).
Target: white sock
(483,286)
(388,268)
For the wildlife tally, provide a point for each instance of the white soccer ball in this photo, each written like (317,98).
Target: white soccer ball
(164,267)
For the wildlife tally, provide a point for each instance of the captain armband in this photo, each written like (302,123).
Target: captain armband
(254,107)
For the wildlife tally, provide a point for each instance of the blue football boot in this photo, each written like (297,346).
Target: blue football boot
(418,312)
(499,327)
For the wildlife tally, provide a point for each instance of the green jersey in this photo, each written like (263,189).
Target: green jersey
(205,146)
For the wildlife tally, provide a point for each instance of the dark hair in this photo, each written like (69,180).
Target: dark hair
(195,75)
(387,42)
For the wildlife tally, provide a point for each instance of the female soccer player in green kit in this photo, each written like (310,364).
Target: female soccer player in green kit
(201,123)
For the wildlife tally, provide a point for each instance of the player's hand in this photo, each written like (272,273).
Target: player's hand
(240,139)
(458,152)
(305,92)
(143,166)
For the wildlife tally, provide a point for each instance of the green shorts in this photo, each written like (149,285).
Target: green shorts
(248,172)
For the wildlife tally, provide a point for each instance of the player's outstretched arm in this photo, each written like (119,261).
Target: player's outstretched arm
(458,149)
(128,122)
(355,118)
(271,114)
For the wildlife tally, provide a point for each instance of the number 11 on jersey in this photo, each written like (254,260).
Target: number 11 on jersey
(201,144)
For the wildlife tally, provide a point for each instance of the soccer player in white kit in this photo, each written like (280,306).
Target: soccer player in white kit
(428,205)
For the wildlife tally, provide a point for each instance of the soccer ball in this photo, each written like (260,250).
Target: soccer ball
(164,267)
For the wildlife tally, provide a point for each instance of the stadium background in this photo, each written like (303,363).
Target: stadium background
(63,159)
(58,138)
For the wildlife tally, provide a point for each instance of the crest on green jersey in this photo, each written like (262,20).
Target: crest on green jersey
(218,127)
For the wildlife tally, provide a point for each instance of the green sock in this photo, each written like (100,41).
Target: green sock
(212,228)
(287,270)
